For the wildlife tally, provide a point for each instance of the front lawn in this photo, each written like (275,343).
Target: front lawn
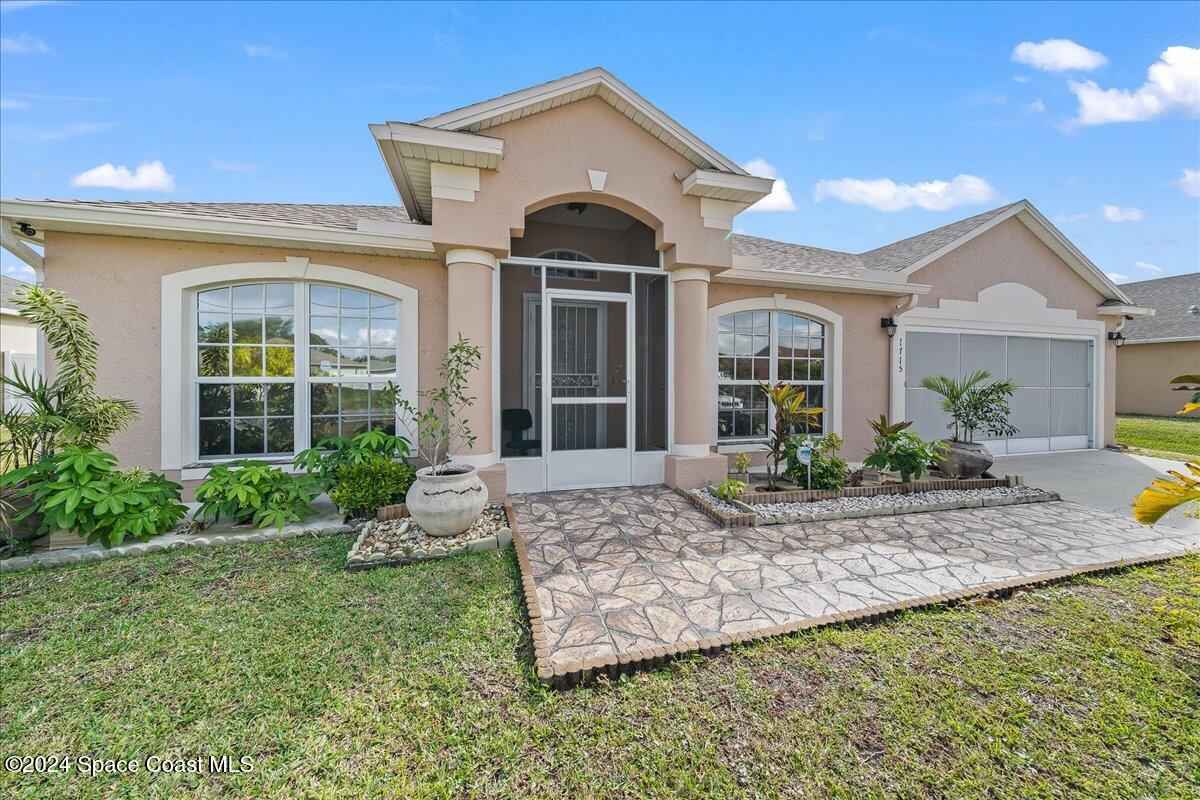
(1167,437)
(415,682)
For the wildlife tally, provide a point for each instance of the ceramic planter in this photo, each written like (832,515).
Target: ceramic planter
(965,459)
(447,504)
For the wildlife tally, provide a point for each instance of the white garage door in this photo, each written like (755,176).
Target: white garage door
(1051,411)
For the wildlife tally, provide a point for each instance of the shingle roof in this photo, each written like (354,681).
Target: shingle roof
(1171,298)
(315,215)
(7,287)
(893,257)
(898,256)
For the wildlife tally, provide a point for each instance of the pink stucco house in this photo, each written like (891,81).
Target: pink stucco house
(583,238)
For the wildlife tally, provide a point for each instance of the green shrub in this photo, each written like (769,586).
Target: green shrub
(365,486)
(254,492)
(828,469)
(79,489)
(330,455)
(731,489)
(906,453)
(741,462)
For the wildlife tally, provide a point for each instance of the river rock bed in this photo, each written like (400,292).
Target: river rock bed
(880,505)
(401,541)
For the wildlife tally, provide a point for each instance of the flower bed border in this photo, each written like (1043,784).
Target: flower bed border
(912,487)
(926,507)
(746,519)
(400,511)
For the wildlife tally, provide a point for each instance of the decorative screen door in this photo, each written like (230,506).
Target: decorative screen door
(589,360)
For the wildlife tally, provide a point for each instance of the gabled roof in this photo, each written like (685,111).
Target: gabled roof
(320,215)
(456,138)
(899,256)
(1172,299)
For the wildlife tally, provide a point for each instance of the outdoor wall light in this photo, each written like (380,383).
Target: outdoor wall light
(889,325)
(1116,337)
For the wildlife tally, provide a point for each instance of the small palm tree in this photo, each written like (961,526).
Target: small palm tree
(789,401)
(974,407)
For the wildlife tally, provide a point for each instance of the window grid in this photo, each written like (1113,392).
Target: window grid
(794,354)
(270,408)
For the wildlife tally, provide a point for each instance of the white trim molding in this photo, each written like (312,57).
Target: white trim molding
(1011,309)
(779,302)
(741,189)
(744,273)
(463,255)
(178,289)
(1162,340)
(452,182)
(690,274)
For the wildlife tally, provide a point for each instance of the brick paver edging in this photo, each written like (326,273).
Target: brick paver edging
(747,519)
(585,671)
(912,487)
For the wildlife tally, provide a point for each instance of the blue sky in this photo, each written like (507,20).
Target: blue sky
(883,120)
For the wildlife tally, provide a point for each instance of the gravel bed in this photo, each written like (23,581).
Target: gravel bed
(402,541)
(716,502)
(878,505)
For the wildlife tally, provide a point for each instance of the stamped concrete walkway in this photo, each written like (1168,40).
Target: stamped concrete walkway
(622,570)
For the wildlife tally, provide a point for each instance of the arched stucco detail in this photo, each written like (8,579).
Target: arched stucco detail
(603,199)
(833,324)
(179,287)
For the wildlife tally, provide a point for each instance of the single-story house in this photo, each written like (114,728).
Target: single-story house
(1160,347)
(18,341)
(583,238)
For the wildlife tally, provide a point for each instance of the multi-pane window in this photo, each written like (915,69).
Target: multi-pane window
(258,393)
(770,346)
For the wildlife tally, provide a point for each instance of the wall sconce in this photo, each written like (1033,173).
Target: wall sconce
(889,325)
(1116,337)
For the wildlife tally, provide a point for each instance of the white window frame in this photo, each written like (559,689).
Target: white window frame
(832,383)
(179,414)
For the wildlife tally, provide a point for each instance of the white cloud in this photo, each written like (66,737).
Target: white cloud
(1172,83)
(1143,266)
(20,5)
(151,176)
(1036,107)
(24,44)
(780,199)
(1058,55)
(1069,218)
(18,270)
(13,105)
(1189,183)
(1119,214)
(1117,277)
(1020,79)
(884,194)
(235,166)
(264,51)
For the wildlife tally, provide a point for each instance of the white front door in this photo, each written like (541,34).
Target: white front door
(587,433)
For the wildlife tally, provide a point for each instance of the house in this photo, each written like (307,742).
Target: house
(18,340)
(1159,347)
(582,237)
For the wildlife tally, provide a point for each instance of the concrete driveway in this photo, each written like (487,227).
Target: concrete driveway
(1101,479)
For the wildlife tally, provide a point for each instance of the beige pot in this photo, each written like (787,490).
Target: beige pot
(446,505)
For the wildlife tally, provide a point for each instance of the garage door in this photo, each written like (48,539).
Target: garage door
(1051,411)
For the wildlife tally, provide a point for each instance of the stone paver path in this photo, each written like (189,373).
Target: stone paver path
(622,569)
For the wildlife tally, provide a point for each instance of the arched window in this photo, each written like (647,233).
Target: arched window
(281,365)
(771,346)
(569,273)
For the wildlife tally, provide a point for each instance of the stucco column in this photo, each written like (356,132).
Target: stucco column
(691,463)
(469,276)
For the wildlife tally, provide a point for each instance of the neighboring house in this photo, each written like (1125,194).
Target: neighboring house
(18,339)
(256,329)
(1160,347)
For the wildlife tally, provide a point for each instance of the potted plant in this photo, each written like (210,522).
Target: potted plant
(445,498)
(741,467)
(906,453)
(973,406)
(790,410)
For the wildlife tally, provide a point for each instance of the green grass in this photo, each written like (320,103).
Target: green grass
(415,682)
(1166,437)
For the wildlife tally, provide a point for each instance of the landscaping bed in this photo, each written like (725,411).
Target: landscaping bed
(394,538)
(855,506)
(928,485)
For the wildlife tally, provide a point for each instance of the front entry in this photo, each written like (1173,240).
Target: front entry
(588,432)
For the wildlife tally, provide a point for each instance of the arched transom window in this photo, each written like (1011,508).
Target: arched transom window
(281,365)
(771,346)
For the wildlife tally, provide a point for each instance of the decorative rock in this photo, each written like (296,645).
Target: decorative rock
(402,540)
(504,537)
(883,505)
(479,545)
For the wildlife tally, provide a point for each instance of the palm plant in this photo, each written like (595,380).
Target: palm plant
(790,410)
(67,409)
(1177,489)
(974,407)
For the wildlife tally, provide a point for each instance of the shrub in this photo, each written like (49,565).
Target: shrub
(741,462)
(828,469)
(730,490)
(365,486)
(904,452)
(254,492)
(791,411)
(79,489)
(331,455)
